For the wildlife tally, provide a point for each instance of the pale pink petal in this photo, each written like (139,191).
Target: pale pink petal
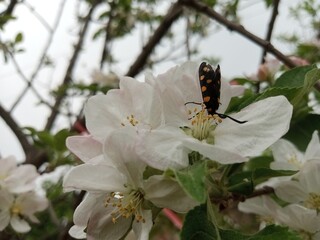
(84,147)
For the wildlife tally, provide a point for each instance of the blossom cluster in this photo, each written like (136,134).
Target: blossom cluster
(142,129)
(18,199)
(300,192)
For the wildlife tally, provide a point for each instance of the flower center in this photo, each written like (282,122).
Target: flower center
(292,159)
(203,125)
(126,205)
(16,209)
(313,201)
(131,120)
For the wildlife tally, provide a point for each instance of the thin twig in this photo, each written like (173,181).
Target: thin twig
(203,8)
(68,75)
(37,15)
(108,35)
(23,76)
(173,14)
(272,21)
(43,55)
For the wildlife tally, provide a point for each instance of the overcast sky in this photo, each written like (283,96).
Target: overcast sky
(238,55)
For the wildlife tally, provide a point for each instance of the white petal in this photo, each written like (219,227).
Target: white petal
(299,218)
(96,178)
(225,96)
(22,179)
(290,191)
(309,176)
(120,148)
(83,211)
(30,203)
(268,120)
(8,164)
(166,193)
(84,147)
(142,229)
(163,149)
(214,152)
(6,199)
(78,232)
(262,205)
(4,219)
(19,225)
(101,226)
(313,149)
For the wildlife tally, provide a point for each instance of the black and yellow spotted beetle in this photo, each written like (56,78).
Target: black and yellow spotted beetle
(210,83)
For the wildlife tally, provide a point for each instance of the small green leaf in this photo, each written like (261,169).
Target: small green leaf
(18,38)
(197,226)
(192,180)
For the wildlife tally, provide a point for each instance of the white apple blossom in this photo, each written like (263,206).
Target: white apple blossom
(118,195)
(301,219)
(288,157)
(17,178)
(189,128)
(303,188)
(17,209)
(135,105)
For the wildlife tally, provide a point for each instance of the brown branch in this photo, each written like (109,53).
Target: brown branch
(272,21)
(173,14)
(201,7)
(68,75)
(10,8)
(6,116)
(108,35)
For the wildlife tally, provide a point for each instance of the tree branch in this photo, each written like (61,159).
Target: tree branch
(272,21)
(173,14)
(10,8)
(6,116)
(201,7)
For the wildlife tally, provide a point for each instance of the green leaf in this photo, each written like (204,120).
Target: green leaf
(300,132)
(270,232)
(244,182)
(259,162)
(293,78)
(311,78)
(192,180)
(289,93)
(60,139)
(197,226)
